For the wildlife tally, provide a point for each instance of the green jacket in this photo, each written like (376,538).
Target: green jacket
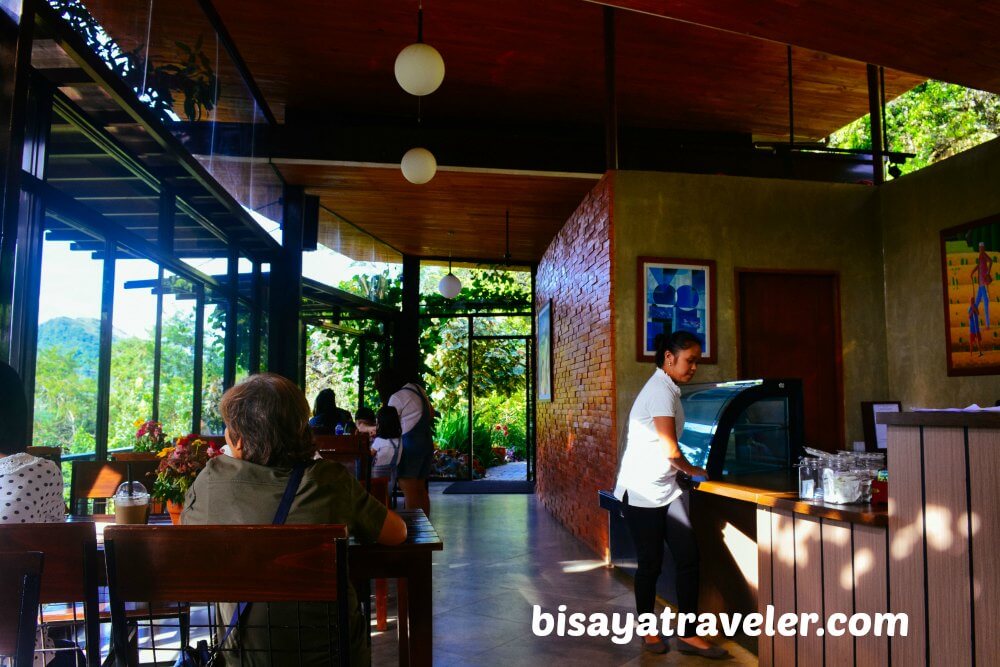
(233,491)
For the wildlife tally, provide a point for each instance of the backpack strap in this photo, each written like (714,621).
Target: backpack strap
(294,481)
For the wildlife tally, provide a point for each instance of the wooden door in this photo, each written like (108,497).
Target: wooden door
(789,326)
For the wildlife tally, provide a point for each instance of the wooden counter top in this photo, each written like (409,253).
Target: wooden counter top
(780,491)
(941,419)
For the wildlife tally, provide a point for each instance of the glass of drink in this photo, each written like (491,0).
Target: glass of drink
(131,504)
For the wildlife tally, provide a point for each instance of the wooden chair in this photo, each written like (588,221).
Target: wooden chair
(20,580)
(70,578)
(198,565)
(98,480)
(53,454)
(353,451)
(359,442)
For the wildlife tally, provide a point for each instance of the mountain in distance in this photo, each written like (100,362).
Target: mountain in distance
(80,336)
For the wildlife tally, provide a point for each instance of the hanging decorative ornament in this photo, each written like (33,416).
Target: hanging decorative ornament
(419,67)
(450,285)
(418,165)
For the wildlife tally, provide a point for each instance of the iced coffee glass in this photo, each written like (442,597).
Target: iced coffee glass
(131,504)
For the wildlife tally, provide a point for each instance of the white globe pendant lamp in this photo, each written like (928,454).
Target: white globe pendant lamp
(418,166)
(419,67)
(450,285)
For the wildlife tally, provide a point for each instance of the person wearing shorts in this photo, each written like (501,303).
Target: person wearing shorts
(417,418)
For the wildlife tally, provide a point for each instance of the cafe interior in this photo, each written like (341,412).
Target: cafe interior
(505,203)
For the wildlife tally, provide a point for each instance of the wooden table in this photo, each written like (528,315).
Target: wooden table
(409,563)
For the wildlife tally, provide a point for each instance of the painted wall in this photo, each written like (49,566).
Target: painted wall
(914,210)
(576,451)
(761,224)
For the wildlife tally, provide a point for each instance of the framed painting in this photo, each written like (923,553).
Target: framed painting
(969,267)
(544,333)
(675,295)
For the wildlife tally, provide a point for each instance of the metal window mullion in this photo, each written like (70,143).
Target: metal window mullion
(256,304)
(469,406)
(158,345)
(232,325)
(199,353)
(104,356)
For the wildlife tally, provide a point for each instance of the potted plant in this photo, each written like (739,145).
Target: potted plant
(179,466)
(149,439)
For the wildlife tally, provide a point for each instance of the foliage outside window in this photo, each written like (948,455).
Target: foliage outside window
(934,120)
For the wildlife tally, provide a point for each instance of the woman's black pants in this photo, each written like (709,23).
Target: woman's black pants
(650,528)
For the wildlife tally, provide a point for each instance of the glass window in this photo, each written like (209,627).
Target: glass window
(177,355)
(213,369)
(69,326)
(485,288)
(332,360)
(444,347)
(244,339)
(133,348)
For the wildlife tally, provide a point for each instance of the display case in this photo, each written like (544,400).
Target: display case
(742,427)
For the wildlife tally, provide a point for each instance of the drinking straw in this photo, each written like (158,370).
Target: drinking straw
(128,471)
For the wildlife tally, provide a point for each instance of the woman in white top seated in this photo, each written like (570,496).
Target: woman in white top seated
(654,505)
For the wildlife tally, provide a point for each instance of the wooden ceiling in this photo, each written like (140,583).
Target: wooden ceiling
(417,219)
(956,40)
(688,66)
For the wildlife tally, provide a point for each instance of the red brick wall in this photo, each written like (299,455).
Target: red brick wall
(577,452)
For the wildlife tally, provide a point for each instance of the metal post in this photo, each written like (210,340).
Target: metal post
(232,317)
(610,94)
(257,304)
(158,346)
(407,338)
(533,394)
(284,341)
(104,357)
(15,62)
(199,356)
(875,114)
(468,379)
(362,369)
(28,260)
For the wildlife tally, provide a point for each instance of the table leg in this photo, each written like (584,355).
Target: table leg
(421,612)
(403,622)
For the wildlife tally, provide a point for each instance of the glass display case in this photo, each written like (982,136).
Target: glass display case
(742,427)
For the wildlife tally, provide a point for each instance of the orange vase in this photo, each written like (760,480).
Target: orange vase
(174,510)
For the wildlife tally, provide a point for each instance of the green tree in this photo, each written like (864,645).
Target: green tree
(934,120)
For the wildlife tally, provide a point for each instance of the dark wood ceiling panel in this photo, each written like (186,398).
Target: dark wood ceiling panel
(417,219)
(956,41)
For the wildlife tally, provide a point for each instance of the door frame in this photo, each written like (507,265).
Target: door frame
(838,338)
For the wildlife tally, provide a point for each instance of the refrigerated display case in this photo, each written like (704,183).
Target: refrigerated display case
(742,427)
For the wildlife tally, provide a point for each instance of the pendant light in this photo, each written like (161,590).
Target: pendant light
(419,67)
(418,166)
(450,285)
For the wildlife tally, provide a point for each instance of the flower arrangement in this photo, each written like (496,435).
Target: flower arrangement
(149,437)
(179,465)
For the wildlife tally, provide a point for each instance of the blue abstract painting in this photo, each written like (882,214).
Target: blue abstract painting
(676,297)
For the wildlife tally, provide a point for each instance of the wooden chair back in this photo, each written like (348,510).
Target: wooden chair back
(358,463)
(299,563)
(71,572)
(20,580)
(348,444)
(100,479)
(53,454)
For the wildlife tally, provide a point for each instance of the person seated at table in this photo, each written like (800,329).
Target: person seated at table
(387,447)
(31,488)
(31,491)
(364,419)
(327,416)
(267,430)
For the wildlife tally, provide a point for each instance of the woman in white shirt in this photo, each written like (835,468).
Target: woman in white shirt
(653,503)
(417,420)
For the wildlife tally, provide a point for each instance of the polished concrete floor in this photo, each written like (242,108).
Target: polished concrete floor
(503,554)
